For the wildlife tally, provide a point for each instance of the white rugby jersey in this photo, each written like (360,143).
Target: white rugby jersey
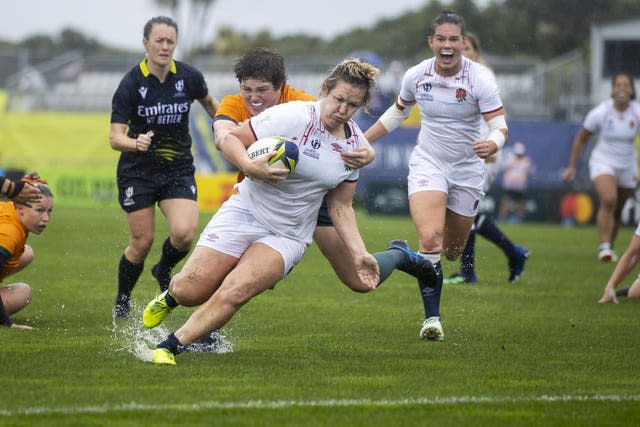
(617,131)
(451,109)
(290,207)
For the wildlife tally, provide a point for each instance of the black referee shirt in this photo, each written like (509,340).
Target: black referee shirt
(144,104)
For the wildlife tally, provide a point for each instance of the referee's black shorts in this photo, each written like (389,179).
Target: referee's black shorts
(142,187)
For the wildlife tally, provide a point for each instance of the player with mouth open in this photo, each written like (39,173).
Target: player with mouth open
(446,171)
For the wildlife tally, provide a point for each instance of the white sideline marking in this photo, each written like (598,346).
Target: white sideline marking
(280,404)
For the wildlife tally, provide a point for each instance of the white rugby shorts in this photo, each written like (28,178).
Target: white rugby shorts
(233,228)
(462,184)
(625,173)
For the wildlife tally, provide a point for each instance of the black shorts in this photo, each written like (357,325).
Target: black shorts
(323,215)
(152,184)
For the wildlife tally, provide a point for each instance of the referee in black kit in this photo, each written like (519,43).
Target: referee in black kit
(150,127)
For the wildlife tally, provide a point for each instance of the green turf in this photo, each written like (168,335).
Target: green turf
(313,353)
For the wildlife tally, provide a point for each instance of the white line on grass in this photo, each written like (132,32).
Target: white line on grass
(331,403)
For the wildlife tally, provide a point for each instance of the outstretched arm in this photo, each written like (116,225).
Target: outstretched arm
(627,262)
(339,201)
(390,120)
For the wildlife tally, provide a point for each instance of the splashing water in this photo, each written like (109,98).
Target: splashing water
(215,342)
(130,335)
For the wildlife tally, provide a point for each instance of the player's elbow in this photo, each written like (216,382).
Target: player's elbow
(113,141)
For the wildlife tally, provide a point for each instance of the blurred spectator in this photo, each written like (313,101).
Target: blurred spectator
(518,168)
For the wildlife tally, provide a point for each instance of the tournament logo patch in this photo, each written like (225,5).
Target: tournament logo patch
(461,95)
(312,152)
(128,194)
(180,88)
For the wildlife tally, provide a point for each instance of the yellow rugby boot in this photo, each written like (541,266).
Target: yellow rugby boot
(162,356)
(156,311)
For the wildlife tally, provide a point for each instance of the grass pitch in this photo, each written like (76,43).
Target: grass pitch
(313,353)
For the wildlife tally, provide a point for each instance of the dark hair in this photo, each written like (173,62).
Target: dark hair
(447,16)
(261,63)
(355,72)
(627,75)
(158,20)
(474,40)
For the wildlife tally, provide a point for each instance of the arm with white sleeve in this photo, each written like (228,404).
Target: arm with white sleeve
(390,120)
(498,133)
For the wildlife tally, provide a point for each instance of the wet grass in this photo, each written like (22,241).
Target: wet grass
(311,352)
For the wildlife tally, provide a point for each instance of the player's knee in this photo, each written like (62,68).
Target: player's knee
(233,296)
(26,294)
(608,202)
(430,241)
(182,292)
(187,291)
(19,297)
(27,256)
(140,246)
(182,239)
(236,295)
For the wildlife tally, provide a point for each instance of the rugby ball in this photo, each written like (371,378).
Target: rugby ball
(286,151)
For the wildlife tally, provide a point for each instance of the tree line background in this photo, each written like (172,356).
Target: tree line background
(540,28)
